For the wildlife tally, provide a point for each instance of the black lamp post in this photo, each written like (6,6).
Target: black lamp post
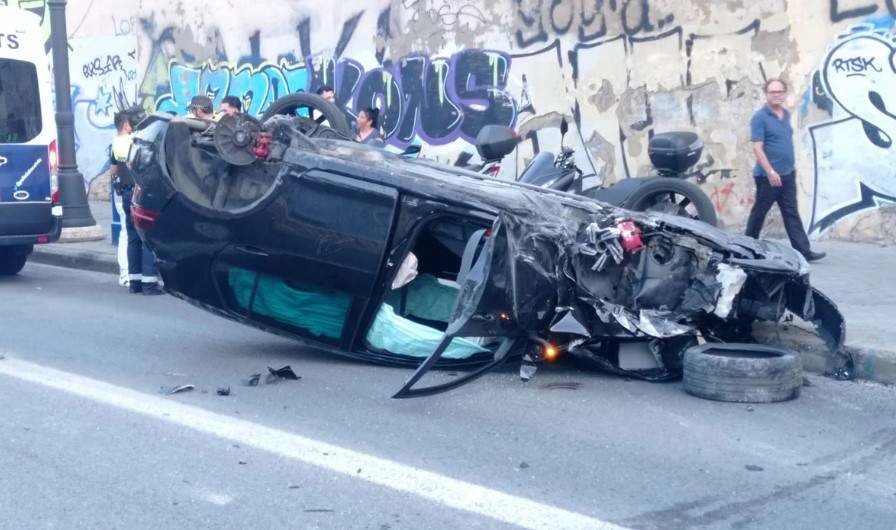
(72,195)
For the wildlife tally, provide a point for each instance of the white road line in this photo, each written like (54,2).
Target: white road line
(453,493)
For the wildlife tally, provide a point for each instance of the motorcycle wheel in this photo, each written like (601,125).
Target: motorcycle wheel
(312,107)
(673,196)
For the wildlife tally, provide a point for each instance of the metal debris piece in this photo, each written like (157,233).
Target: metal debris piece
(751,467)
(603,244)
(732,280)
(572,385)
(282,373)
(528,368)
(180,389)
(224,391)
(252,380)
(571,325)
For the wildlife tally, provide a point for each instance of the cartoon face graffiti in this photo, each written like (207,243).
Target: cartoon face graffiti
(859,74)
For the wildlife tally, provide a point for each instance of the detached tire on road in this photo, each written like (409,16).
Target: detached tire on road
(742,373)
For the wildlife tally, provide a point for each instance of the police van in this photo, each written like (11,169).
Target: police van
(29,202)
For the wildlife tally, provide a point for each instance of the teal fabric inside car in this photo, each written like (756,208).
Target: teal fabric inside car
(426,298)
(319,312)
(393,333)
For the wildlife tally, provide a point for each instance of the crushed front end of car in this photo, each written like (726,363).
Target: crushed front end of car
(560,275)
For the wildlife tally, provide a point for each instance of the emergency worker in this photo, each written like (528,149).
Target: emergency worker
(142,272)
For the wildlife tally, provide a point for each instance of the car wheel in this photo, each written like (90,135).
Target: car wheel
(742,373)
(12,259)
(311,107)
(673,196)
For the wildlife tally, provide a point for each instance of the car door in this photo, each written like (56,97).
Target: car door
(308,263)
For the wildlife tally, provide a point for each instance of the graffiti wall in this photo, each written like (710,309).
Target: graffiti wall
(853,153)
(104,81)
(619,71)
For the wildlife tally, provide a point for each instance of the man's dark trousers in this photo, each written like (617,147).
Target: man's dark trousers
(785,196)
(141,260)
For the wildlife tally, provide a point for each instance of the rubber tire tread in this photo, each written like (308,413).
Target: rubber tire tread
(700,200)
(11,262)
(334,115)
(742,379)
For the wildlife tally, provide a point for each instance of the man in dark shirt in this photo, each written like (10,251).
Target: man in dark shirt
(775,172)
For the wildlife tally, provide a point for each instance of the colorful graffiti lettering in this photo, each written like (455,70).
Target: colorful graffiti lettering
(438,100)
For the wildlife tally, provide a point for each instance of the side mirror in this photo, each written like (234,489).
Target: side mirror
(494,142)
(564,127)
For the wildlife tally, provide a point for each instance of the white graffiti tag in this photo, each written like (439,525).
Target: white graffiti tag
(860,75)
(3,161)
(855,155)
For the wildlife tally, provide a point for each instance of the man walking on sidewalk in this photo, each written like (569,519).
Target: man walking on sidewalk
(775,173)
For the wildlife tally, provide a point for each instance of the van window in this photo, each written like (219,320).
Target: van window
(20,117)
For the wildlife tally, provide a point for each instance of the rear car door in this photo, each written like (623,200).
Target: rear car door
(309,262)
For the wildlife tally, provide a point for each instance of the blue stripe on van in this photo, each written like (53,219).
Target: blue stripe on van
(24,173)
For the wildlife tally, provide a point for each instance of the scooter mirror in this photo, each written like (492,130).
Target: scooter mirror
(564,127)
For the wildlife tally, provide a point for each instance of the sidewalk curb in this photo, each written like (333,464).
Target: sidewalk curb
(73,259)
(871,364)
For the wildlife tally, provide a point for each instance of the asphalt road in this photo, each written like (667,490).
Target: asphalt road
(89,441)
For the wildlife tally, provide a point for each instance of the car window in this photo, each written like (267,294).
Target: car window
(306,309)
(20,113)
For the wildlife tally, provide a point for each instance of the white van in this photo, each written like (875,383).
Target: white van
(29,203)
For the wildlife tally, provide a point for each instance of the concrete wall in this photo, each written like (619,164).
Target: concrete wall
(620,70)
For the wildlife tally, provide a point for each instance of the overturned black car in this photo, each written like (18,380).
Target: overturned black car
(287,225)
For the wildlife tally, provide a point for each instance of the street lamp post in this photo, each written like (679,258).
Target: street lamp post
(73,196)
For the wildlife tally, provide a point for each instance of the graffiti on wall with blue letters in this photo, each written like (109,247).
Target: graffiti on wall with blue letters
(437,100)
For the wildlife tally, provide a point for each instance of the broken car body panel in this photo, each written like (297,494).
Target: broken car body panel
(307,240)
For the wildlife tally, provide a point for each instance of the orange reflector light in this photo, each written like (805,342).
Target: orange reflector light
(550,353)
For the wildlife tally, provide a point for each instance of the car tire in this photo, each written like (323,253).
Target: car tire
(742,373)
(646,196)
(12,259)
(287,105)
